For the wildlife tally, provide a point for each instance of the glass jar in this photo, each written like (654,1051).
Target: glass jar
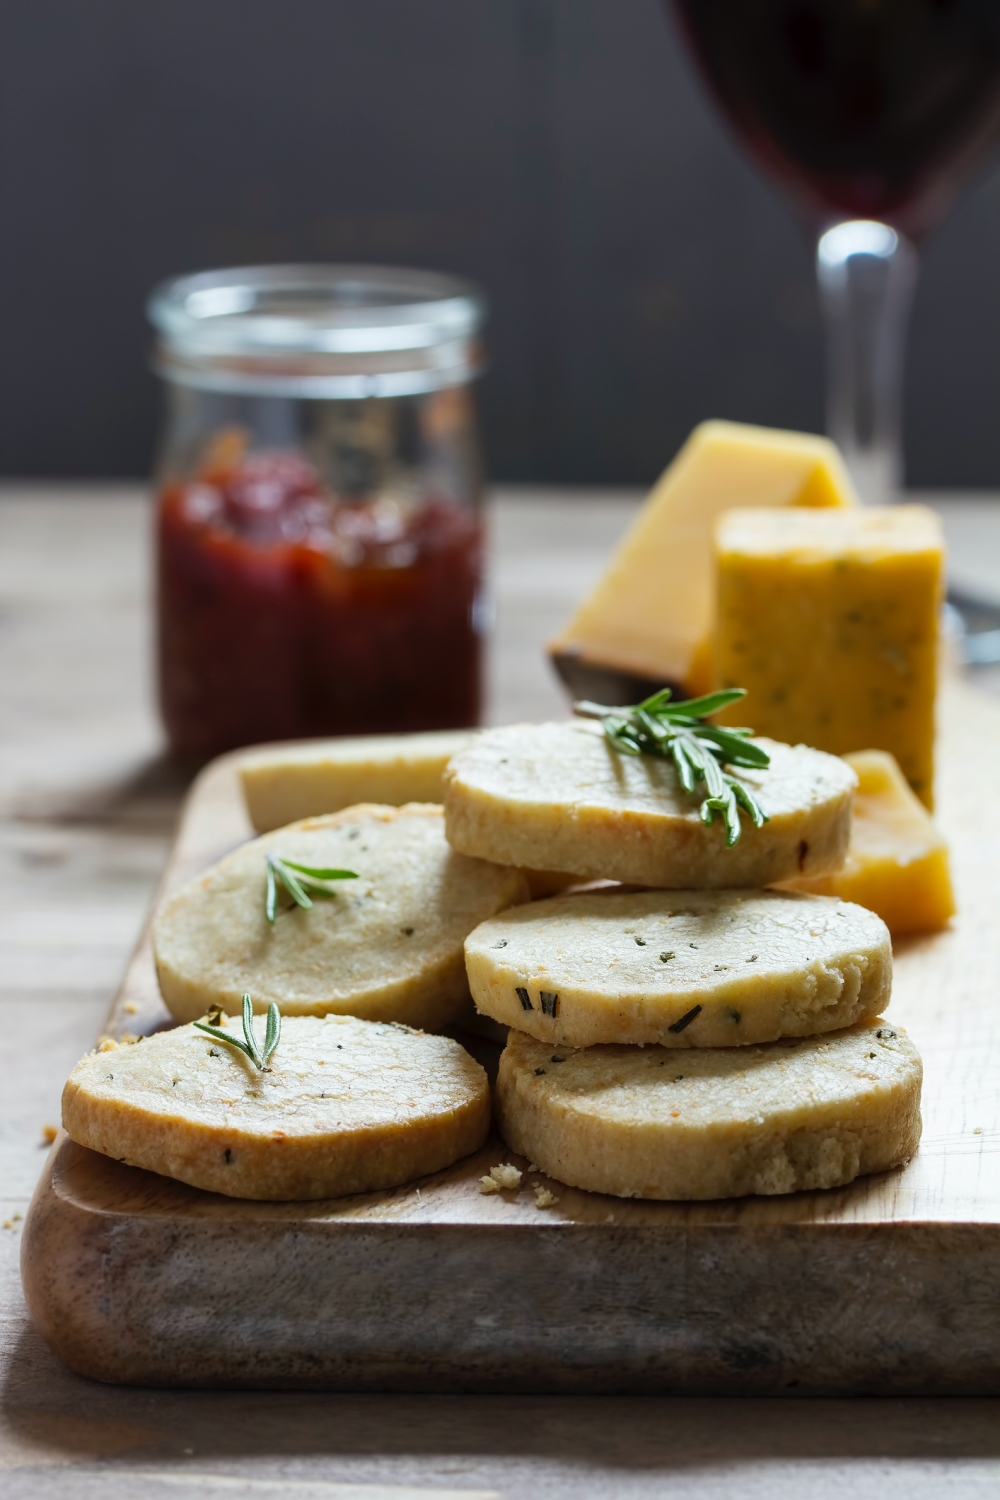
(318,490)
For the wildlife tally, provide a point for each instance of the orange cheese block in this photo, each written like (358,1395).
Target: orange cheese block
(829,619)
(897,861)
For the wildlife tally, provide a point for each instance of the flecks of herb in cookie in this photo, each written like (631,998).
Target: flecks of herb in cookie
(502,943)
(524,997)
(685,1020)
(272,1034)
(666,957)
(298,880)
(550,1002)
(640,942)
(699,750)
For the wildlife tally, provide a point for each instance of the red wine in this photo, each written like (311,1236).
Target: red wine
(863,108)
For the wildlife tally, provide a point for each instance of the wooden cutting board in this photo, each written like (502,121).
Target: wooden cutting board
(890,1285)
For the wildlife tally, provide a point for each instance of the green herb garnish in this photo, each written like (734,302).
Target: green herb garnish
(678,732)
(297,881)
(272,1034)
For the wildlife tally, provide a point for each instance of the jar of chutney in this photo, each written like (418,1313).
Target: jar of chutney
(319,539)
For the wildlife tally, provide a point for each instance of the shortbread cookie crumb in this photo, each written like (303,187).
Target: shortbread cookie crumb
(503,1178)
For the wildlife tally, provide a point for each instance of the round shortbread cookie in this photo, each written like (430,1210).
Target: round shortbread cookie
(346,1106)
(648,1122)
(680,968)
(387,946)
(560,797)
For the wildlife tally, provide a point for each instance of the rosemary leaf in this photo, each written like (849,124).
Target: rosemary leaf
(298,880)
(320,874)
(271,899)
(748,802)
(273,1034)
(684,764)
(252,1049)
(292,884)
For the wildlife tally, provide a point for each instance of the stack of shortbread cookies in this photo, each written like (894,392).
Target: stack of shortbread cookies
(707,1038)
(676,1029)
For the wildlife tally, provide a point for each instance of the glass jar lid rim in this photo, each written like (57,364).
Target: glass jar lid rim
(335,309)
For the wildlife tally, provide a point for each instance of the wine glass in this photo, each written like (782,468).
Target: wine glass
(869,113)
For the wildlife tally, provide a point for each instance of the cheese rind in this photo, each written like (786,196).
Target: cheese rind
(651,614)
(718,1123)
(829,620)
(560,797)
(681,968)
(306,778)
(897,861)
(346,1106)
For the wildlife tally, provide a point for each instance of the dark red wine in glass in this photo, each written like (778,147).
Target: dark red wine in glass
(870,113)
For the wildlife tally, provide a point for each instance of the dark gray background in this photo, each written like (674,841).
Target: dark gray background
(558,151)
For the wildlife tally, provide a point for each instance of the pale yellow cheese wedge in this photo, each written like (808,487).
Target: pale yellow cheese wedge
(346,1106)
(652,613)
(306,778)
(560,797)
(680,968)
(386,946)
(829,619)
(649,1122)
(897,860)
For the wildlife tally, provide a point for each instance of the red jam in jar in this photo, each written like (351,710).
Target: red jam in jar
(319,544)
(285,613)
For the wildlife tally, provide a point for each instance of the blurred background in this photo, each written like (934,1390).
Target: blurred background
(562,153)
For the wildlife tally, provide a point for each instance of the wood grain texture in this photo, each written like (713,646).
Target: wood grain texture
(892,1284)
(81,847)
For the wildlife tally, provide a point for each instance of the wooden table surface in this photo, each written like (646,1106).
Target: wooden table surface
(87,807)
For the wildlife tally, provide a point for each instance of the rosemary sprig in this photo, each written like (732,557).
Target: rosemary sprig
(272,1034)
(678,732)
(297,881)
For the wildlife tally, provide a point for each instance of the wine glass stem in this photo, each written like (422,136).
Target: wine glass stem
(867,273)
